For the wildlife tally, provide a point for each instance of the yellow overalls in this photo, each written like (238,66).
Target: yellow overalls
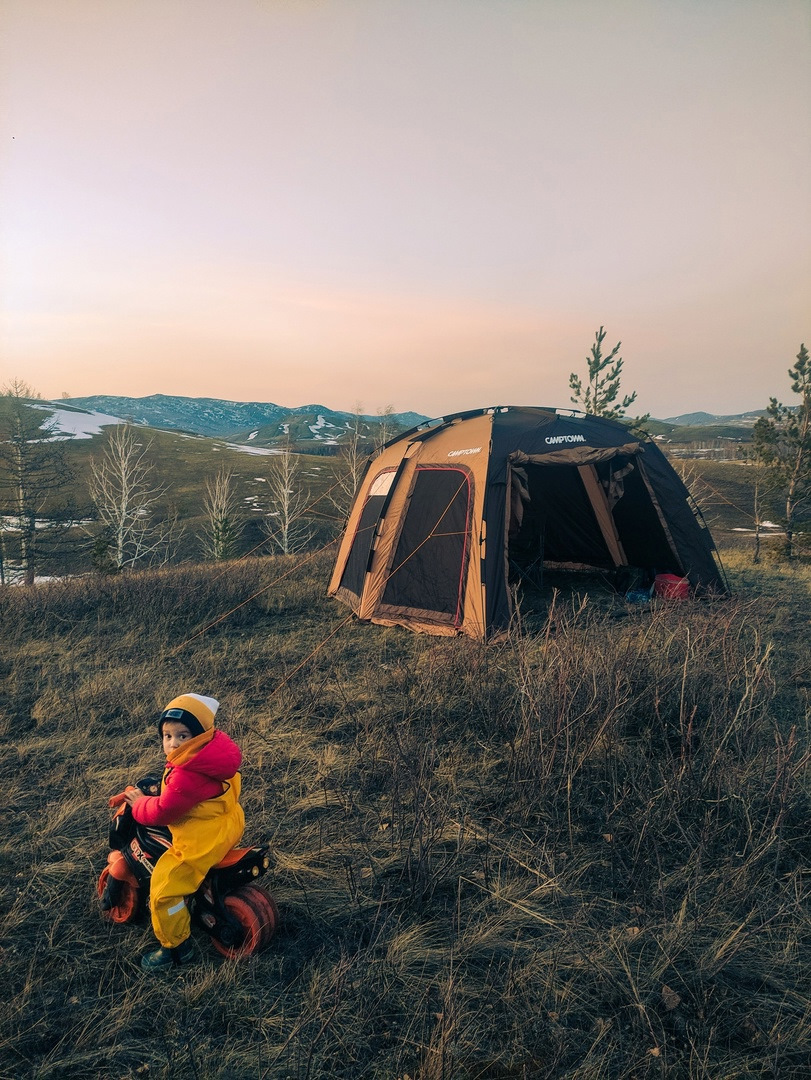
(199,841)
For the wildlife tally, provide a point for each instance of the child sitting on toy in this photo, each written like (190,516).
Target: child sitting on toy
(199,801)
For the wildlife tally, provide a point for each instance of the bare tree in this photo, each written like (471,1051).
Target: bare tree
(387,428)
(285,524)
(353,454)
(765,492)
(126,495)
(223,516)
(33,473)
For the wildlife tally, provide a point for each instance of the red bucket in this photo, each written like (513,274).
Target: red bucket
(670,587)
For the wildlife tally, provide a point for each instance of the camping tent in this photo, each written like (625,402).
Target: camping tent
(447,512)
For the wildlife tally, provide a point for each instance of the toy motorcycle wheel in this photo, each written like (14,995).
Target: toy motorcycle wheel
(262,901)
(125,906)
(256,915)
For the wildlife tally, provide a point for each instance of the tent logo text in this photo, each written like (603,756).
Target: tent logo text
(564,438)
(463,453)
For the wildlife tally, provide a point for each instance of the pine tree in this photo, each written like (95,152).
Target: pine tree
(223,516)
(602,384)
(782,441)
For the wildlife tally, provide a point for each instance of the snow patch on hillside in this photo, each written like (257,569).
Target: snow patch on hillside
(319,425)
(75,424)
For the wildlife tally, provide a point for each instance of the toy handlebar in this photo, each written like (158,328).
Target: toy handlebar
(121,797)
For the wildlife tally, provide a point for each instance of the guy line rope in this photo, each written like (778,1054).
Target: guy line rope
(296,567)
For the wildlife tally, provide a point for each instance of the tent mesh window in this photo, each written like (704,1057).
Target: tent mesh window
(428,568)
(358,562)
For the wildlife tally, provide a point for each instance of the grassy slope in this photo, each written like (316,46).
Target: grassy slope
(708,433)
(582,853)
(182,466)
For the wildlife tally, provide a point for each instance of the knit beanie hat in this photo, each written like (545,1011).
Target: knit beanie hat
(193,710)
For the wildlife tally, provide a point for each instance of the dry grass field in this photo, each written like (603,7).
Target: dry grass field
(581,853)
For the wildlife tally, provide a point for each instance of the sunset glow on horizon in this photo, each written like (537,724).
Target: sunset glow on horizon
(426,205)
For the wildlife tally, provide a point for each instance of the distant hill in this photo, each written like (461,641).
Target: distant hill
(240,421)
(707,433)
(265,424)
(705,419)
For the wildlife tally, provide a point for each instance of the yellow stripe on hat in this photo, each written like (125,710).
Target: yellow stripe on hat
(203,709)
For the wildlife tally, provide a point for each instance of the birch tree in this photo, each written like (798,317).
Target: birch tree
(285,524)
(126,496)
(352,457)
(387,428)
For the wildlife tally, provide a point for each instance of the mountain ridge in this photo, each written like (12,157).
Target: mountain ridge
(267,423)
(221,418)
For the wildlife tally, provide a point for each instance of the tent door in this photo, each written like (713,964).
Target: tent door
(428,570)
(602,511)
(524,552)
(559,515)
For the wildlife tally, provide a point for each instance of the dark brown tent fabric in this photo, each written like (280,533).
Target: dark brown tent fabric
(443,509)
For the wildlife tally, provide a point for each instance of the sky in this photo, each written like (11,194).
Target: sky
(425,204)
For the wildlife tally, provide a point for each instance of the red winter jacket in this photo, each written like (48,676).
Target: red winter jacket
(194,773)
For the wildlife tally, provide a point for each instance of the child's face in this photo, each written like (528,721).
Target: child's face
(174,735)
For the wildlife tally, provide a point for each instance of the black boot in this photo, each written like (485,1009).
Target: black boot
(162,959)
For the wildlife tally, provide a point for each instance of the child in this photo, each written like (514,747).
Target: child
(199,801)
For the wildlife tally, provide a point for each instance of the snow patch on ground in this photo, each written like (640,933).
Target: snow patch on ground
(14,575)
(763,525)
(262,450)
(253,434)
(12,523)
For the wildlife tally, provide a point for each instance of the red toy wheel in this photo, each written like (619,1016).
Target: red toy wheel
(264,904)
(251,923)
(126,907)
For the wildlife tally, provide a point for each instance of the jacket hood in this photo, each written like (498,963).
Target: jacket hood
(218,757)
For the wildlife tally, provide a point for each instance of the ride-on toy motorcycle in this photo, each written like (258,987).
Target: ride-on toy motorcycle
(239,915)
